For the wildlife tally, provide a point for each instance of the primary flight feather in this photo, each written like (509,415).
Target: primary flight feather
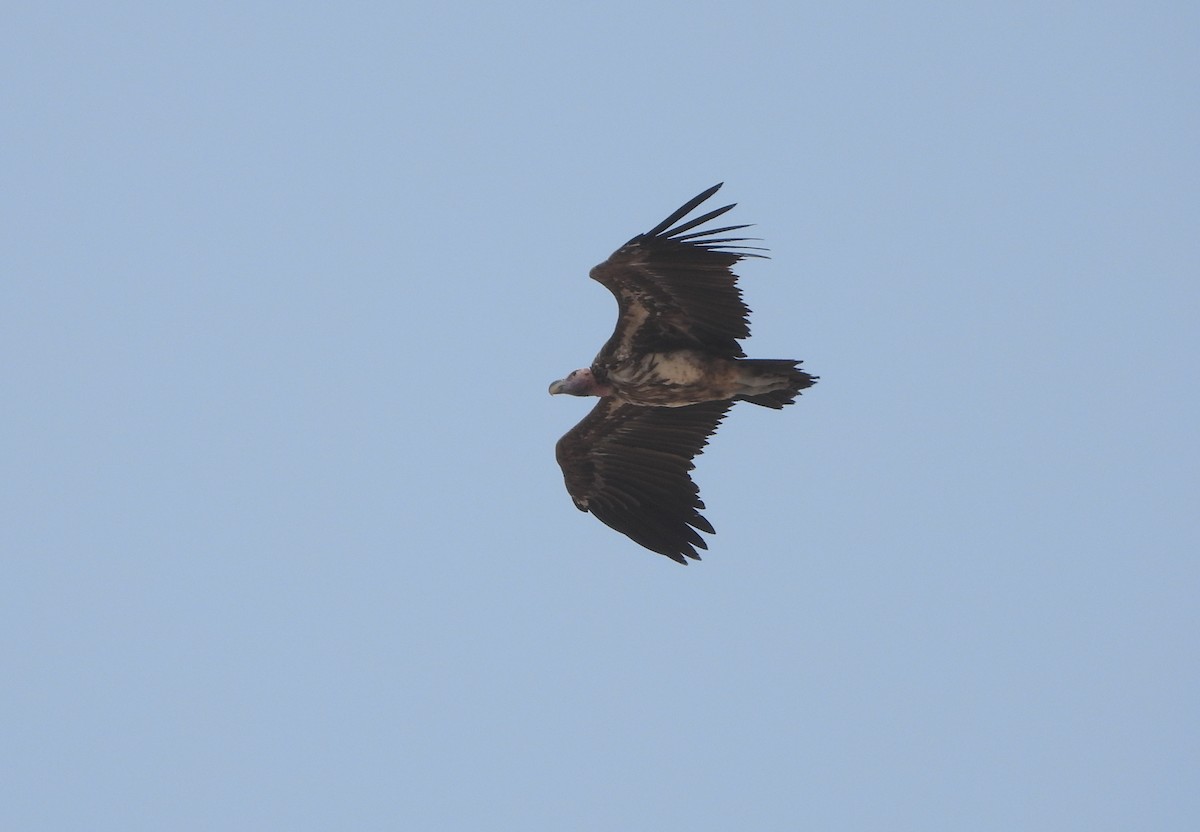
(666,378)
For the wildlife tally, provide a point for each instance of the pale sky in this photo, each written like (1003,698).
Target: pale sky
(285,545)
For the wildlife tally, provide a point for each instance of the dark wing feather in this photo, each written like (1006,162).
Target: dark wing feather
(677,290)
(629,465)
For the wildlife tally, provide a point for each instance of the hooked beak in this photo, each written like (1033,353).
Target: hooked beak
(559,386)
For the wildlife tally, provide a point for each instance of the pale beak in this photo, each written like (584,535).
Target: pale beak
(559,386)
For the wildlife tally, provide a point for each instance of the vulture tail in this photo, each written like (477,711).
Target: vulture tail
(770,382)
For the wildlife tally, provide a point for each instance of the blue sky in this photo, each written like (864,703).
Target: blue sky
(285,545)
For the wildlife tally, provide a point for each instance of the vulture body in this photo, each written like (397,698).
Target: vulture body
(666,378)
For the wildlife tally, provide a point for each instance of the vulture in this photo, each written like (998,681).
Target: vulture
(666,378)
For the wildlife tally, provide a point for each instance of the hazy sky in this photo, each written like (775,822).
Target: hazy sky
(285,545)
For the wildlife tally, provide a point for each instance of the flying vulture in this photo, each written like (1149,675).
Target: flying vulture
(666,378)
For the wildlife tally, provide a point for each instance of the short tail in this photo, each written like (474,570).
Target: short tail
(770,382)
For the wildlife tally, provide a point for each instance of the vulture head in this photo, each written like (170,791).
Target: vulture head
(580,383)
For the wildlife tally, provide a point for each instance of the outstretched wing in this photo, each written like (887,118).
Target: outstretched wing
(629,465)
(677,290)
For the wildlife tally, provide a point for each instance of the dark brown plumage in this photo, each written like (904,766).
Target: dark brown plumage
(629,465)
(667,376)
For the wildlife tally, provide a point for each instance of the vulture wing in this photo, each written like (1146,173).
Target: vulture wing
(677,289)
(629,465)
